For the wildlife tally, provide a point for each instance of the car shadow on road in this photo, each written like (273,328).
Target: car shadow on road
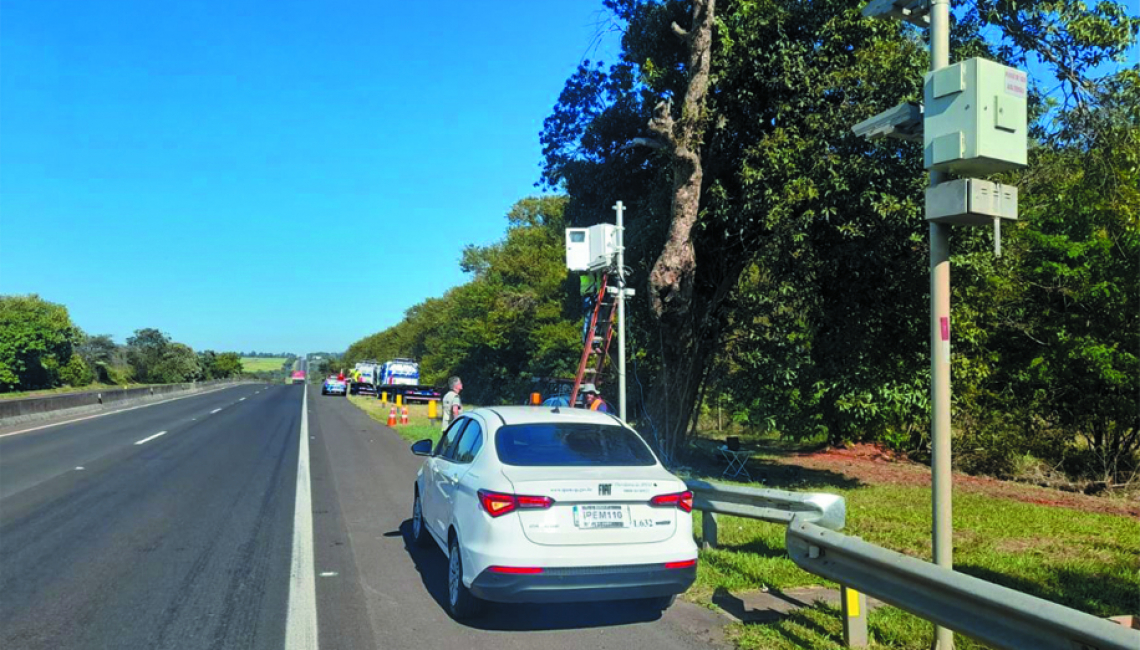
(432,567)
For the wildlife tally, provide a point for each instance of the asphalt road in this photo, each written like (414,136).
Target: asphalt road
(197,537)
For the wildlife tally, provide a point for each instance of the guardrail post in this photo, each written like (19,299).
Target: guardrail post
(854,605)
(708,529)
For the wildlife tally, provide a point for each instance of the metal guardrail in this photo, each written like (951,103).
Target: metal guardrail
(776,506)
(995,615)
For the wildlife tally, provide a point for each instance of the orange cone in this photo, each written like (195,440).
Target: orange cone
(404,416)
(392,417)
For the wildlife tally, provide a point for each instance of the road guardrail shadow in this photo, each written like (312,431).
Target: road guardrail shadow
(432,567)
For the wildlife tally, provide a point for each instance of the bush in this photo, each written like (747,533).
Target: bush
(76,372)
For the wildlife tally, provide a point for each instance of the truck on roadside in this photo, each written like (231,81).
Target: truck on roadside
(402,377)
(364,378)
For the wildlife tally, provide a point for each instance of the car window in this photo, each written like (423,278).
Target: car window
(450,436)
(571,444)
(455,440)
(470,443)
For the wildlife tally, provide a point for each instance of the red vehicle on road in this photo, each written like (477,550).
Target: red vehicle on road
(298,377)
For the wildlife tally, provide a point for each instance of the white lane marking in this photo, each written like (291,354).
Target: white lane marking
(99,415)
(242,399)
(328,574)
(301,617)
(79,469)
(149,438)
(214,411)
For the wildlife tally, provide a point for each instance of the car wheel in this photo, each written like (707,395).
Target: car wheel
(460,603)
(419,533)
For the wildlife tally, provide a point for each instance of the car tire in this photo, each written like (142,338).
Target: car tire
(420,535)
(461,604)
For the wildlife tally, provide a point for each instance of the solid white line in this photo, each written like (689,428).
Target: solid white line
(149,438)
(301,618)
(214,411)
(99,415)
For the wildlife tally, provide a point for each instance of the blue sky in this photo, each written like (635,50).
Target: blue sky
(271,175)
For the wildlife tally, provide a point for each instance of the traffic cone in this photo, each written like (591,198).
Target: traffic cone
(404,416)
(392,417)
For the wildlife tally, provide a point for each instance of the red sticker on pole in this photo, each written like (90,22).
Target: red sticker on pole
(945,322)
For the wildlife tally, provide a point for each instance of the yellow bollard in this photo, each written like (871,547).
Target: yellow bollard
(399,399)
(432,406)
(384,398)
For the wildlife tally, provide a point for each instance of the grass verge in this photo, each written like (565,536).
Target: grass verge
(419,427)
(69,389)
(1082,560)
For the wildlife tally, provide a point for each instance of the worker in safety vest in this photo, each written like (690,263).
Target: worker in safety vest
(594,401)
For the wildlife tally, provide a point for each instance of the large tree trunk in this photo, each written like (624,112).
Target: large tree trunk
(683,340)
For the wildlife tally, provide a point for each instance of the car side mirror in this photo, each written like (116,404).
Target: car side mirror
(422,448)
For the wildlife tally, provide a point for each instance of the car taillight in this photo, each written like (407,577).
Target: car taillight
(684,564)
(497,503)
(682,500)
(515,570)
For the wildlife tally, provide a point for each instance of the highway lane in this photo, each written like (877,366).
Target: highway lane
(375,590)
(49,450)
(181,531)
(182,541)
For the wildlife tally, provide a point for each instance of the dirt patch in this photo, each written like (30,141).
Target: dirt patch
(874,465)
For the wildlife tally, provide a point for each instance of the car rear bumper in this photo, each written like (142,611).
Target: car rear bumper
(574,584)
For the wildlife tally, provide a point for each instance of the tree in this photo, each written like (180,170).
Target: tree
(76,372)
(177,364)
(36,340)
(145,352)
(225,366)
(809,254)
(779,169)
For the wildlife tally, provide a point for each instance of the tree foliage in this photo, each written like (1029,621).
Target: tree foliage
(36,341)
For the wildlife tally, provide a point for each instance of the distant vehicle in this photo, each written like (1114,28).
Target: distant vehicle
(402,377)
(334,386)
(364,378)
(298,377)
(536,505)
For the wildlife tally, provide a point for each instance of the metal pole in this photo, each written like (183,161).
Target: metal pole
(941,489)
(620,209)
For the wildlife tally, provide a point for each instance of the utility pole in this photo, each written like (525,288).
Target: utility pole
(942,479)
(620,209)
(972,123)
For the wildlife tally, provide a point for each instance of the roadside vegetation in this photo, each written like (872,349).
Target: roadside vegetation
(42,350)
(1065,554)
(804,309)
(419,426)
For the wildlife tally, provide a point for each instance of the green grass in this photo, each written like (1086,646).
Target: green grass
(68,389)
(1082,560)
(419,427)
(262,364)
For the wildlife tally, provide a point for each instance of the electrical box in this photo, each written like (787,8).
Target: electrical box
(971,202)
(591,249)
(975,118)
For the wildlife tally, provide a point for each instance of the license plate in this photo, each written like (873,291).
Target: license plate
(600,516)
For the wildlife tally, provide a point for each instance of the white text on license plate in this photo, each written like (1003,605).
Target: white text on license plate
(599,516)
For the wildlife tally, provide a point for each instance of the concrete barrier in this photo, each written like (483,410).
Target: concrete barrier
(34,409)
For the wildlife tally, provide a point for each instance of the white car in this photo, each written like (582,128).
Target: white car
(533,504)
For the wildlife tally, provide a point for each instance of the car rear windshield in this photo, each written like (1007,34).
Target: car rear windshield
(571,445)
